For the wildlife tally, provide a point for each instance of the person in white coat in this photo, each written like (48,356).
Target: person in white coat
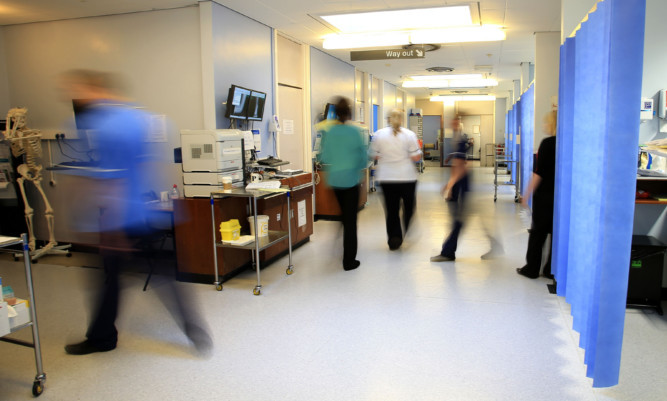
(396,150)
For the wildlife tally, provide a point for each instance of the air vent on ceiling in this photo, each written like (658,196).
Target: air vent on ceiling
(459,91)
(428,47)
(440,69)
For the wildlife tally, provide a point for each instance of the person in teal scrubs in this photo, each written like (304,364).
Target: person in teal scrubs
(344,156)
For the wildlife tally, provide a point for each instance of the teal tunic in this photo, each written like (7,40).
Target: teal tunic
(343,155)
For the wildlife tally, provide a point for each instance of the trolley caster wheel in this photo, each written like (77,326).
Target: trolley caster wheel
(289,271)
(16,259)
(68,254)
(34,261)
(218,287)
(372,189)
(256,291)
(494,199)
(37,388)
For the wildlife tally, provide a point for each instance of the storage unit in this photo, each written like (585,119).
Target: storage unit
(645,277)
(261,242)
(23,320)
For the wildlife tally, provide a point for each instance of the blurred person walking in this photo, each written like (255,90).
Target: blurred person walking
(541,189)
(396,150)
(124,171)
(455,191)
(344,156)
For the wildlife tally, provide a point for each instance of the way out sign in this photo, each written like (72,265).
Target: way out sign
(388,54)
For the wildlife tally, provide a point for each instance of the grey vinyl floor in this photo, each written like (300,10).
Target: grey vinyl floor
(397,328)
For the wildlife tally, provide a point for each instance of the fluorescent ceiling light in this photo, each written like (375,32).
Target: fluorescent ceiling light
(454,83)
(484,33)
(355,41)
(447,77)
(426,36)
(401,19)
(460,98)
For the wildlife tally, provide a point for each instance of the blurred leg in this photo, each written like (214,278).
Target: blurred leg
(392,202)
(348,199)
(408,195)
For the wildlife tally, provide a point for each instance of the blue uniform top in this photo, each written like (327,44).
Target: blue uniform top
(118,134)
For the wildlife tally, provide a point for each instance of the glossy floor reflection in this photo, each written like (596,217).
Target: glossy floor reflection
(397,328)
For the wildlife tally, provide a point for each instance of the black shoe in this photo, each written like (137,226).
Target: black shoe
(523,271)
(351,266)
(548,275)
(200,338)
(86,347)
(394,243)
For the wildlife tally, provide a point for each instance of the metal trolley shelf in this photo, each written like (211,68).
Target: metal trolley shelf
(260,243)
(40,378)
(264,242)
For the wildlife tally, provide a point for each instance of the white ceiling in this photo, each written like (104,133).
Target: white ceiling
(298,20)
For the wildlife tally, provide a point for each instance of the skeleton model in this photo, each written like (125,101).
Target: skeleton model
(27,143)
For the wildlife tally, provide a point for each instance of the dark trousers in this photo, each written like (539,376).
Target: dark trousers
(348,200)
(536,240)
(393,194)
(119,249)
(456,206)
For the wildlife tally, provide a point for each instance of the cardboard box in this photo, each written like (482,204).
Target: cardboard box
(4,319)
(23,314)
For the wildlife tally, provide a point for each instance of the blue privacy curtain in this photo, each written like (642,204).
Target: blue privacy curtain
(598,134)
(527,136)
(516,118)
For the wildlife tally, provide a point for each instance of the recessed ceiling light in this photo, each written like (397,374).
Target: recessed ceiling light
(422,18)
(461,98)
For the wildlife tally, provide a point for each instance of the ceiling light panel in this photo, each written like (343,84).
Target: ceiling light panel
(447,77)
(422,18)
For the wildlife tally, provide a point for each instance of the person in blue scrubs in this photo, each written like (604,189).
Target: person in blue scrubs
(122,173)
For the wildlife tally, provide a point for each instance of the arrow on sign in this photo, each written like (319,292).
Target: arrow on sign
(420,53)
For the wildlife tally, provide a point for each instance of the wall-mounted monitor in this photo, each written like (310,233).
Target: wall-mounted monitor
(256,105)
(237,102)
(330,112)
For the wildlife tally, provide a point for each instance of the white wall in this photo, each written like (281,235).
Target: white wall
(572,12)
(157,52)
(547,65)
(329,77)
(242,55)
(500,116)
(5,104)
(655,64)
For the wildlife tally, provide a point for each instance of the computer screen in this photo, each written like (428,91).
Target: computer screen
(330,112)
(237,102)
(256,105)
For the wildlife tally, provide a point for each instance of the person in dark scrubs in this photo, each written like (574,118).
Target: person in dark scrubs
(541,188)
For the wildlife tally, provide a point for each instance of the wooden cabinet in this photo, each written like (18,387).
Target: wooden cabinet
(326,205)
(193,230)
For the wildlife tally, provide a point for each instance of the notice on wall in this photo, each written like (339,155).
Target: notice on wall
(158,128)
(301,213)
(288,127)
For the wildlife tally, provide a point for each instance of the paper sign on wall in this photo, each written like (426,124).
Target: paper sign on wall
(158,128)
(301,213)
(288,127)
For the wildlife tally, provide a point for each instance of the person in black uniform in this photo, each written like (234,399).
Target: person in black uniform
(455,192)
(541,187)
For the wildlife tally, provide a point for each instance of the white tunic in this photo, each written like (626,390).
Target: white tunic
(394,154)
